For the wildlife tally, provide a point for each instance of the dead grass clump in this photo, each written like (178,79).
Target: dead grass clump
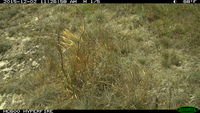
(95,70)
(170,58)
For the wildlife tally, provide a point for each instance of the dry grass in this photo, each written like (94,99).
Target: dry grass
(123,57)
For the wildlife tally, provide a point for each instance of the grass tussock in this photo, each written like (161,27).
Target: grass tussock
(5,45)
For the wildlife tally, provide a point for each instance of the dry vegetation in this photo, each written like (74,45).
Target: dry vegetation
(109,56)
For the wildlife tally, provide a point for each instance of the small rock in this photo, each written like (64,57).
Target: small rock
(26,39)
(6,69)
(2,105)
(36,18)
(34,64)
(30,59)
(37,46)
(44,57)
(3,63)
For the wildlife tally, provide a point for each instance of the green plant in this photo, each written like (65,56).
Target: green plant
(142,61)
(4,46)
(165,42)
(10,13)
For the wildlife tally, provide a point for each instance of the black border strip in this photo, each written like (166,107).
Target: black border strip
(118,111)
(94,1)
(87,111)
